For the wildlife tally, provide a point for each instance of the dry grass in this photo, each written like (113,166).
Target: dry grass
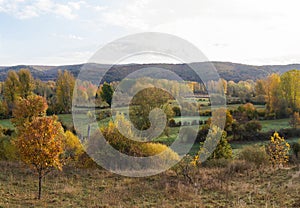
(215,187)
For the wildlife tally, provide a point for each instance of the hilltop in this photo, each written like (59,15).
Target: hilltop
(227,70)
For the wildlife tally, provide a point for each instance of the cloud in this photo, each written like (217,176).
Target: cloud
(24,10)
(70,36)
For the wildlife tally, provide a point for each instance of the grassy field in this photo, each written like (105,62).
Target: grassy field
(275,125)
(99,188)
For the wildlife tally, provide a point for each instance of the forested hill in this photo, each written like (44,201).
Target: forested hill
(227,70)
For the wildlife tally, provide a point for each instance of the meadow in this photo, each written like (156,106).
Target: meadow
(100,188)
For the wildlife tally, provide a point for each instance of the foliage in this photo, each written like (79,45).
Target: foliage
(254,154)
(290,87)
(278,150)
(295,120)
(26,109)
(106,93)
(7,148)
(296,149)
(126,145)
(188,135)
(65,85)
(144,102)
(40,145)
(72,146)
(11,88)
(215,146)
(26,83)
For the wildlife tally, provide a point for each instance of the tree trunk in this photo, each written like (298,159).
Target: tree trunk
(40,185)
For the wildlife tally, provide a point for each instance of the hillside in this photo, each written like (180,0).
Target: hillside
(227,70)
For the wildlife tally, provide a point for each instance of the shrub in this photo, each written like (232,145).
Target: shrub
(176,111)
(278,150)
(172,123)
(187,135)
(223,149)
(150,149)
(254,154)
(217,163)
(296,149)
(102,153)
(215,146)
(72,147)
(238,166)
(8,150)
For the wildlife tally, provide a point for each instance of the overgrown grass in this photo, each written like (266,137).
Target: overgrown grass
(99,188)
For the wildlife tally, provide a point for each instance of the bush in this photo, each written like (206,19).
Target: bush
(72,147)
(151,149)
(254,154)
(103,154)
(238,166)
(172,123)
(296,149)
(217,163)
(187,135)
(8,150)
(176,111)
(278,150)
(215,146)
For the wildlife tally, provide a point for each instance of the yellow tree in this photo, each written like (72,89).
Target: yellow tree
(40,145)
(278,150)
(26,109)
(11,89)
(274,95)
(39,138)
(65,85)
(291,88)
(27,83)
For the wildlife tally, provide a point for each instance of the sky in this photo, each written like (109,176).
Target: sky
(57,32)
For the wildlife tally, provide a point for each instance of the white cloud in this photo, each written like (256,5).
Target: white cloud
(64,11)
(24,10)
(69,37)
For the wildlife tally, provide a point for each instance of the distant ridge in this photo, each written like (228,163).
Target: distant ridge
(227,70)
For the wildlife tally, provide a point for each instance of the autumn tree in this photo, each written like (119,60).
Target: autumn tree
(26,83)
(291,89)
(278,150)
(39,138)
(11,89)
(274,96)
(40,145)
(144,102)
(27,109)
(65,85)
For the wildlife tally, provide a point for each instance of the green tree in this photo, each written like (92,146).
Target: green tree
(215,146)
(106,93)
(144,102)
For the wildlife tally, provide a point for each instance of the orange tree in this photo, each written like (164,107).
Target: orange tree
(28,108)
(40,145)
(39,138)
